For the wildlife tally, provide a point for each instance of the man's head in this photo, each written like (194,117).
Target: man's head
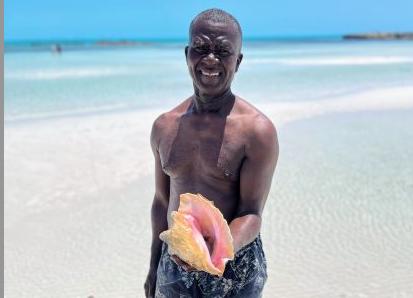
(214,52)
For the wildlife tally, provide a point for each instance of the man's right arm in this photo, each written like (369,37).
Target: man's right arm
(159,210)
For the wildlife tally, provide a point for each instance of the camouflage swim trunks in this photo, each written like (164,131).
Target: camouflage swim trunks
(244,276)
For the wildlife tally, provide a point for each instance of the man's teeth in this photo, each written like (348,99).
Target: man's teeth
(210,74)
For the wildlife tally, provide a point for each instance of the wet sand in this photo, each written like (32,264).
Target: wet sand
(79,189)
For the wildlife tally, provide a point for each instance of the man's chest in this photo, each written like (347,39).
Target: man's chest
(191,148)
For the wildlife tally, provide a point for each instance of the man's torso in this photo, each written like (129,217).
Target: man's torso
(203,153)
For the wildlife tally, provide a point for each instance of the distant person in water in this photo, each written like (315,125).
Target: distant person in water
(56,48)
(216,144)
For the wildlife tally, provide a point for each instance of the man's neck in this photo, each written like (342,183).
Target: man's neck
(221,104)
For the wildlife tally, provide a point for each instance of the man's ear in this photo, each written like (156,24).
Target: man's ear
(239,59)
(186,52)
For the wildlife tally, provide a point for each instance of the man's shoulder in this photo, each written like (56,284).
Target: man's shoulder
(166,122)
(166,119)
(260,132)
(253,119)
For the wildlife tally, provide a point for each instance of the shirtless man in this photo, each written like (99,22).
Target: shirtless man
(216,144)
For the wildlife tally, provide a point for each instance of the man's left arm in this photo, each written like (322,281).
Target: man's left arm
(255,181)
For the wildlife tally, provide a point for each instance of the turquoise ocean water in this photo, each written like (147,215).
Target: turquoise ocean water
(41,84)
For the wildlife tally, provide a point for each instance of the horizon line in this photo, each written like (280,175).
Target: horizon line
(291,37)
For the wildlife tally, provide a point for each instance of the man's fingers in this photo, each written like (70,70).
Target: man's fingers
(175,259)
(149,291)
(178,261)
(186,267)
(150,285)
(181,263)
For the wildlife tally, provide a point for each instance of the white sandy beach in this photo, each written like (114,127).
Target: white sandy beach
(78,192)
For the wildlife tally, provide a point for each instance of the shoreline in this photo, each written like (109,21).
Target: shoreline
(294,105)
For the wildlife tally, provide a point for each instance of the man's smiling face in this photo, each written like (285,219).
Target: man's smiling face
(213,56)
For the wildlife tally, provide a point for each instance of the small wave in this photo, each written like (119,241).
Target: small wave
(348,60)
(69,73)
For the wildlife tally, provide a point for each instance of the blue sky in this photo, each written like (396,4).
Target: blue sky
(121,19)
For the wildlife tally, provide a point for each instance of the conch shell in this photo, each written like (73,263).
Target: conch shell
(196,218)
